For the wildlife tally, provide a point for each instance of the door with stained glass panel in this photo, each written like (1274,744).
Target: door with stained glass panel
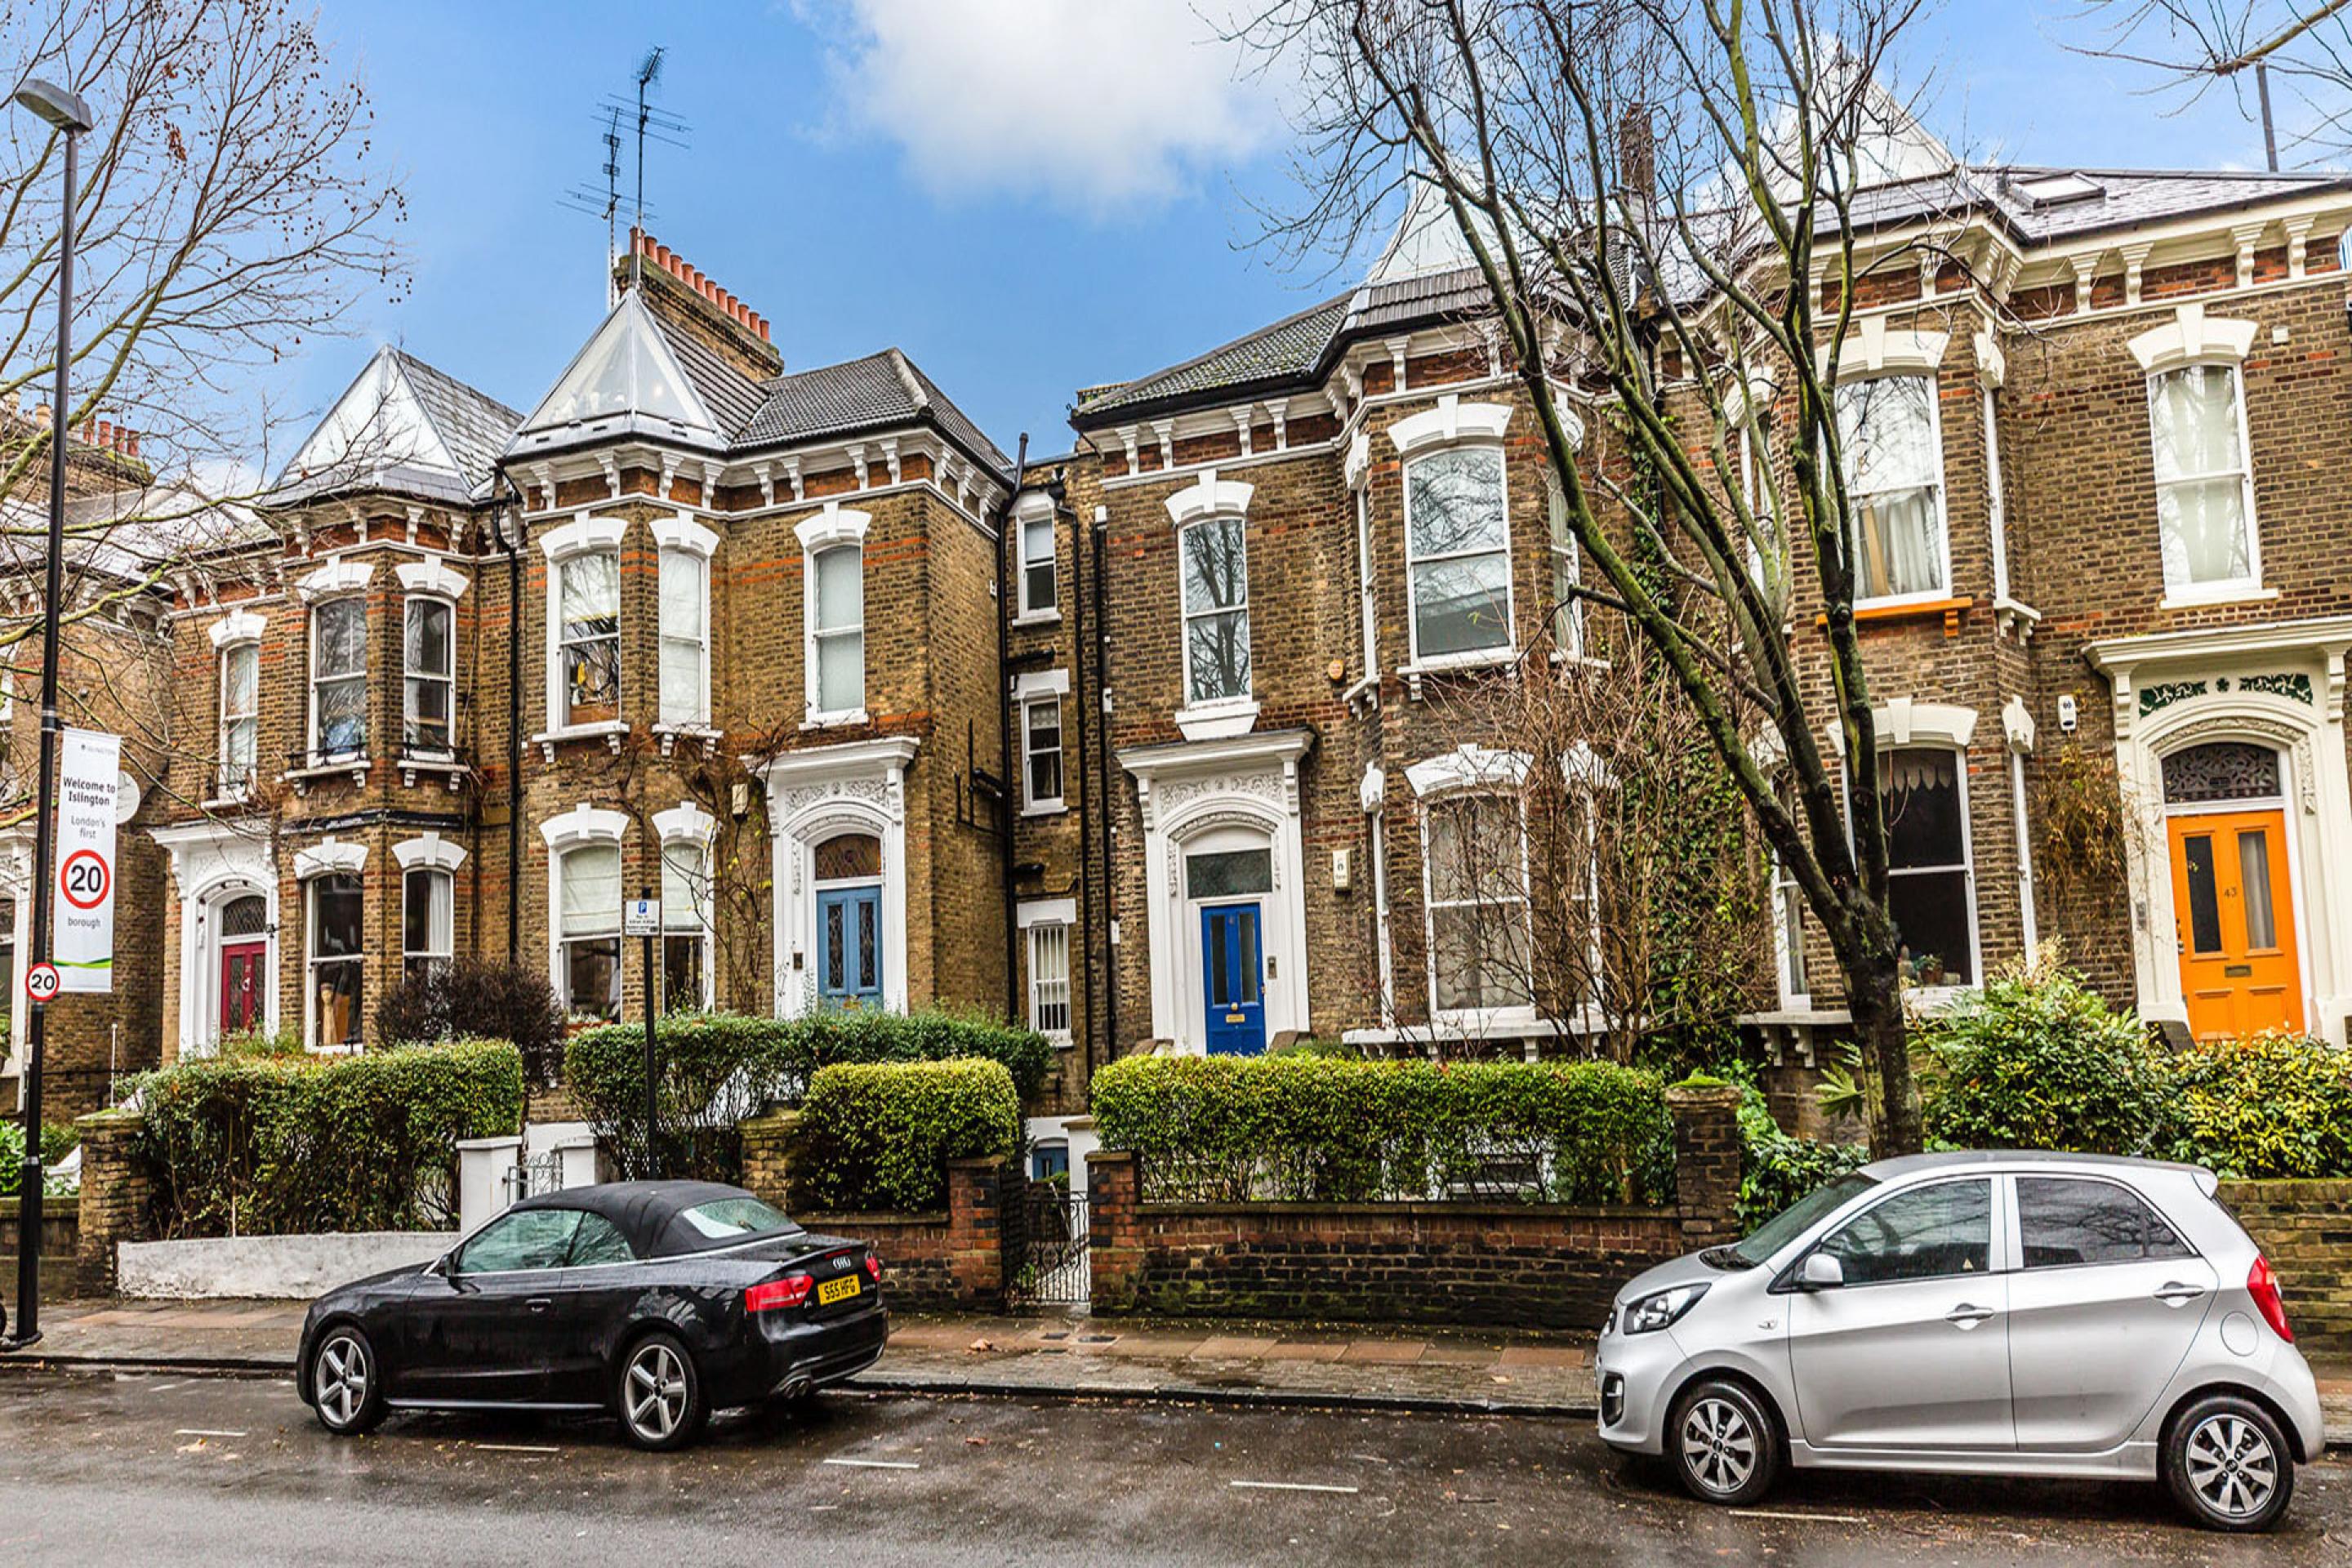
(850,947)
(2232,899)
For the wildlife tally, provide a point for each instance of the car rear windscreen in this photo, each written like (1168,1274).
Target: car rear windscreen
(735,1219)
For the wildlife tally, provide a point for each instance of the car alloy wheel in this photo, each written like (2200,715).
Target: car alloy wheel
(344,1383)
(661,1404)
(2231,1466)
(1723,1442)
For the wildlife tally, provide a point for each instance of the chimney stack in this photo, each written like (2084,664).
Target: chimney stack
(725,316)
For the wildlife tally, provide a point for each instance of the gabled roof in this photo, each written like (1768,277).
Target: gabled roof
(627,380)
(401,426)
(874,393)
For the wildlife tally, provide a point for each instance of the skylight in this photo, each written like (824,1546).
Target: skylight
(2057,190)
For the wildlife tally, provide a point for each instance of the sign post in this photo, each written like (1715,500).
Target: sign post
(641,917)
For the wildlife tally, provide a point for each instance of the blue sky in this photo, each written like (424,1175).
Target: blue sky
(1027,195)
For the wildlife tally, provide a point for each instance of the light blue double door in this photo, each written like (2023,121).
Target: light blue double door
(850,947)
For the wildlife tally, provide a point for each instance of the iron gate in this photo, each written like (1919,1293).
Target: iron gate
(1055,1271)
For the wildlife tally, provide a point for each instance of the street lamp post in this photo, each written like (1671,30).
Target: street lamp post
(65,112)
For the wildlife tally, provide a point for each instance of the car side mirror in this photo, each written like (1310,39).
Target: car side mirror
(1821,1271)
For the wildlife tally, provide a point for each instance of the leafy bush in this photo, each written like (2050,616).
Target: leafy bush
(2038,1060)
(248,1043)
(2276,1105)
(472,999)
(1777,1168)
(57,1140)
(266,1145)
(717,1068)
(1327,1128)
(877,1136)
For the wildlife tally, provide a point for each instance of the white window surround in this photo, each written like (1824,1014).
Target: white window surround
(687,823)
(1874,348)
(1902,721)
(1996,505)
(831,528)
(341,575)
(1454,424)
(1210,499)
(1451,422)
(680,535)
(1935,440)
(1469,766)
(235,783)
(1931,998)
(328,858)
(313,746)
(1062,913)
(578,828)
(1033,508)
(2017,729)
(237,626)
(820,792)
(434,579)
(429,850)
(448,679)
(1468,771)
(2189,344)
(1034,687)
(2192,337)
(583,535)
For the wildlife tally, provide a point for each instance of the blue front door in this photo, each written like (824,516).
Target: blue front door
(850,947)
(1233,973)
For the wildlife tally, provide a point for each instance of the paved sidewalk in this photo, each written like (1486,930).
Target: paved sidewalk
(1241,1363)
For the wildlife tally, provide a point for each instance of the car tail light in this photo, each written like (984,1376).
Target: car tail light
(874,1267)
(2263,1287)
(790,1291)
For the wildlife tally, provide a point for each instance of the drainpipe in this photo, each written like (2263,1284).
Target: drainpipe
(1102,790)
(1005,547)
(1062,509)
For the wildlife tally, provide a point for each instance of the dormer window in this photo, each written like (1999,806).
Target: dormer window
(339,724)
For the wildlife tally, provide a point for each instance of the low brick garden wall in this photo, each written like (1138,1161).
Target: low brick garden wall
(2304,1228)
(61,1245)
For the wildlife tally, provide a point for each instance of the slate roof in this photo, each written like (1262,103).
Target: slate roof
(874,393)
(2127,197)
(405,426)
(1291,348)
(474,425)
(732,396)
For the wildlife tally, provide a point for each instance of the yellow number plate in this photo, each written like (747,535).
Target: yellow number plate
(840,1290)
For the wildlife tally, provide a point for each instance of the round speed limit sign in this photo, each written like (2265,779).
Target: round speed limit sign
(41,982)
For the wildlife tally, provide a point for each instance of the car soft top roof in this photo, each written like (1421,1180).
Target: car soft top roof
(649,1214)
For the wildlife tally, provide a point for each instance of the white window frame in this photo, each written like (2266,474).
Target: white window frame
(312,866)
(1367,585)
(1996,505)
(582,827)
(1034,510)
(410,677)
(316,750)
(1958,747)
(1045,991)
(687,825)
(441,933)
(1450,424)
(2187,593)
(229,784)
(1186,614)
(681,538)
(1855,496)
(1564,554)
(1507,649)
(836,527)
(586,535)
(1448,779)
(1059,918)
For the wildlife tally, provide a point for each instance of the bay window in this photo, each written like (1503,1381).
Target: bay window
(588,637)
(1458,554)
(1480,953)
(588,972)
(428,655)
(240,702)
(427,922)
(1929,888)
(2204,488)
(337,938)
(1213,558)
(685,637)
(339,678)
(1892,448)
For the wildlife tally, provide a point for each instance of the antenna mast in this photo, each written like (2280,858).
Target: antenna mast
(649,73)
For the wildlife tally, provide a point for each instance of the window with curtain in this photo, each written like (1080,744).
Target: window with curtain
(1887,436)
(1037,590)
(1042,744)
(1926,794)
(1214,556)
(589,930)
(838,633)
(428,645)
(588,588)
(1567,573)
(1049,979)
(339,678)
(1458,541)
(686,901)
(2204,501)
(428,921)
(240,717)
(337,938)
(685,637)
(1479,946)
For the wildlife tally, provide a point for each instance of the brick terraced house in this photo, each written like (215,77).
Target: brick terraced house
(1154,744)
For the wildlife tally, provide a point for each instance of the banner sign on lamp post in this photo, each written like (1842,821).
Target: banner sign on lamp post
(90,772)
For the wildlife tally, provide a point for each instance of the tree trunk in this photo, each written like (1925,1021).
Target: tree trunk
(1876,1005)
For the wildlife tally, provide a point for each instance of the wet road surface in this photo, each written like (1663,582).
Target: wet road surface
(121,1469)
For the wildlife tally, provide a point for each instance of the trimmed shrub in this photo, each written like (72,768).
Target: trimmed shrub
(271,1145)
(2276,1105)
(1776,1168)
(717,1068)
(2038,1060)
(1322,1128)
(471,999)
(878,1136)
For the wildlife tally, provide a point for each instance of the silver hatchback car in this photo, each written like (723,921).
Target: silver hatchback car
(2010,1314)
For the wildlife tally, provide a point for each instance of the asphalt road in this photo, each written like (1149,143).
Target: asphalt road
(142,1468)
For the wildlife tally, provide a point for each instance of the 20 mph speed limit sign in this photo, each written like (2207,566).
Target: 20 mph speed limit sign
(41,982)
(89,775)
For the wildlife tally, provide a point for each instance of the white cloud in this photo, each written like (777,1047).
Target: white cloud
(1096,104)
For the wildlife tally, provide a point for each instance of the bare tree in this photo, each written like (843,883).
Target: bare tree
(2200,48)
(231,209)
(1695,279)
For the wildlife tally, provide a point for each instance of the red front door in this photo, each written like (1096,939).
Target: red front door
(240,985)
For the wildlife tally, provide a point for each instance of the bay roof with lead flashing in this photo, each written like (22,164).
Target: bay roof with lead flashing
(401,426)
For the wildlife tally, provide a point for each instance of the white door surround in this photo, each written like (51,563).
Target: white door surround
(1235,792)
(816,795)
(2279,685)
(214,863)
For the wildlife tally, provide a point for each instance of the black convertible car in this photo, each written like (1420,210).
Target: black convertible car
(659,1301)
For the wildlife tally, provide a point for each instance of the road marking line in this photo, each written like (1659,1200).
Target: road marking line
(1779,1513)
(1290,1486)
(519,1448)
(206,1432)
(873,1464)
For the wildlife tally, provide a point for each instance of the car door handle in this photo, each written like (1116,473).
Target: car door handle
(2174,1292)
(539,1303)
(1967,1316)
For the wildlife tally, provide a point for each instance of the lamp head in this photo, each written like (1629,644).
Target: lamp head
(61,106)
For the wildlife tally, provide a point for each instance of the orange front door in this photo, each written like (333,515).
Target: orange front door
(2235,911)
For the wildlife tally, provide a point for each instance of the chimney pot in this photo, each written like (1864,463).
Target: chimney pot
(133,448)
(106,432)
(662,256)
(42,414)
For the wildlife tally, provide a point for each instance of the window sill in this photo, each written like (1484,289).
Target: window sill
(848,719)
(1218,721)
(1046,808)
(609,730)
(228,800)
(1364,694)
(436,761)
(1061,1040)
(354,766)
(1870,611)
(1037,618)
(1420,669)
(670,735)
(2015,616)
(2215,598)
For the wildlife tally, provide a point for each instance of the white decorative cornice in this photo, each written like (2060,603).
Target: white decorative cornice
(584,824)
(339,576)
(1874,348)
(685,823)
(1207,497)
(679,532)
(437,578)
(1901,721)
(1468,767)
(429,850)
(237,626)
(836,524)
(327,858)
(2191,336)
(582,536)
(1452,421)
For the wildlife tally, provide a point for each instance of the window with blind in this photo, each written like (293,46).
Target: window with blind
(2204,488)
(685,911)
(1479,939)
(685,637)
(1049,979)
(1892,449)
(588,972)
(837,632)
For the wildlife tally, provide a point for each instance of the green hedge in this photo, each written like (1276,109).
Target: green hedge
(2276,1105)
(877,1136)
(269,1145)
(717,1068)
(2038,1060)
(1231,1128)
